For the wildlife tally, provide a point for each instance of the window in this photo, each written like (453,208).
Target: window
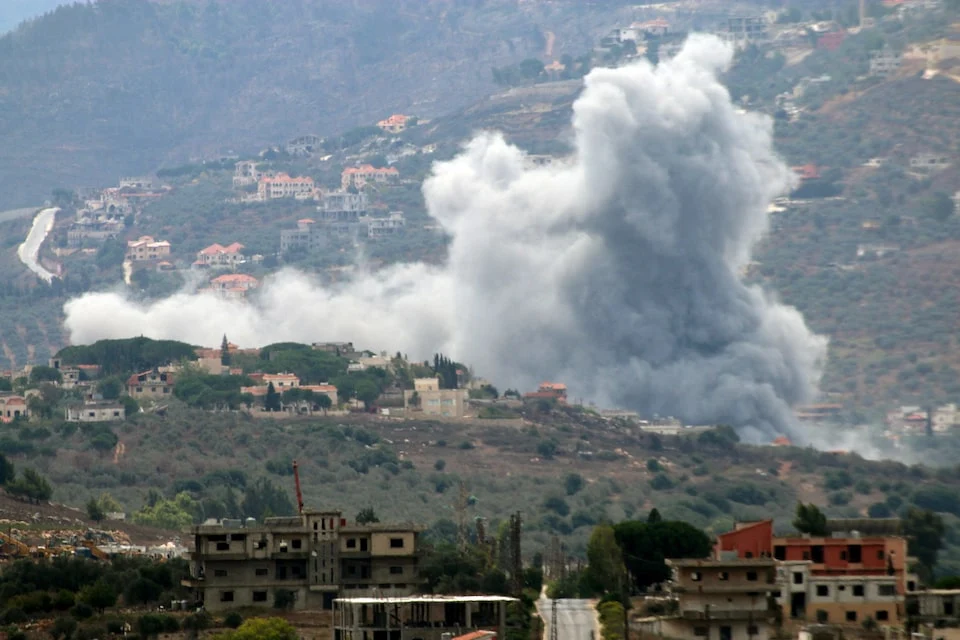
(696,576)
(724,576)
(351,543)
(858,590)
(226,596)
(363,544)
(92,414)
(883,615)
(855,553)
(396,543)
(806,555)
(823,590)
(260,544)
(886,590)
(851,616)
(752,630)
(911,585)
(396,571)
(700,632)
(220,573)
(116,414)
(752,576)
(797,577)
(297,544)
(223,546)
(259,596)
(843,555)
(262,572)
(879,554)
(748,554)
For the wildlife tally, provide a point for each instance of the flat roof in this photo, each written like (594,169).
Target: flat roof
(734,562)
(424,599)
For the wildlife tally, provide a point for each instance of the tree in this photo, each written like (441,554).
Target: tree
(605,572)
(924,530)
(63,627)
(42,373)
(98,595)
(32,486)
(367,392)
(142,591)
(654,516)
(645,545)
(284,599)
(94,512)
(272,401)
(111,387)
(225,352)
(531,68)
(7,471)
(810,519)
(177,513)
(323,401)
(367,516)
(938,206)
(573,483)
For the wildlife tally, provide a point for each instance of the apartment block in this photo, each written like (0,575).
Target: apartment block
(722,600)
(316,555)
(427,617)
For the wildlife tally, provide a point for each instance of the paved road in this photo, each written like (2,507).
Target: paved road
(575,618)
(30,248)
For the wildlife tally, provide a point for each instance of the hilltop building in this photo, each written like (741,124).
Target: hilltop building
(233,285)
(246,173)
(428,397)
(397,123)
(338,216)
(360,177)
(217,256)
(316,555)
(150,384)
(283,186)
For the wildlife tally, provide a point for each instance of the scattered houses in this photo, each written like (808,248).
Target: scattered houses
(233,285)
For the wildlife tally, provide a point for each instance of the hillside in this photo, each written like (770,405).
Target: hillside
(563,470)
(142,84)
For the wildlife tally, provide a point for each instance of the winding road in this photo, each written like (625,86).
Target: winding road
(30,249)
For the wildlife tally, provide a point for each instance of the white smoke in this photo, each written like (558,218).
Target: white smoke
(615,272)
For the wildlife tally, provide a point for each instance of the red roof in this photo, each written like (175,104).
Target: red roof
(215,249)
(234,278)
(808,172)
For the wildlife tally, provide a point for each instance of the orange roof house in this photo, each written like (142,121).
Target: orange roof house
(394,124)
(283,186)
(217,255)
(808,172)
(358,177)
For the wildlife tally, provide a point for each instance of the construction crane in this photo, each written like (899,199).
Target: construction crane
(296,480)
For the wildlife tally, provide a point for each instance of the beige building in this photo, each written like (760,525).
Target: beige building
(146,248)
(426,617)
(427,397)
(315,555)
(722,600)
(96,411)
(150,384)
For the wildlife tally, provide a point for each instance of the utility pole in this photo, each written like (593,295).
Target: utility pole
(516,560)
(554,633)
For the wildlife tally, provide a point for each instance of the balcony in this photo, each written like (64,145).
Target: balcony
(726,614)
(761,588)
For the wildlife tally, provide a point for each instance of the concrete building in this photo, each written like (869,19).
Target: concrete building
(146,248)
(930,162)
(96,411)
(138,183)
(360,177)
(741,31)
(315,555)
(150,384)
(283,186)
(422,617)
(233,285)
(338,216)
(429,398)
(722,600)
(939,607)
(885,62)
(397,123)
(246,173)
(393,224)
(12,407)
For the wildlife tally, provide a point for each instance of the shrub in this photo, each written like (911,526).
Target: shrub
(660,482)
(81,611)
(840,498)
(233,620)
(547,449)
(573,483)
(653,465)
(879,510)
(557,504)
(440,464)
(466,445)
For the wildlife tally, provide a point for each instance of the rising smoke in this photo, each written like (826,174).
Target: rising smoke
(615,271)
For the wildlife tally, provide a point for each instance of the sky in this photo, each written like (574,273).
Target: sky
(13,12)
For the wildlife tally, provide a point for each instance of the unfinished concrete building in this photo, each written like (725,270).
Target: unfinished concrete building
(419,617)
(315,555)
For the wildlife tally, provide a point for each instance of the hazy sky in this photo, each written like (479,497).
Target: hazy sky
(13,12)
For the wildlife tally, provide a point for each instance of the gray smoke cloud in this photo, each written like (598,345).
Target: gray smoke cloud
(615,271)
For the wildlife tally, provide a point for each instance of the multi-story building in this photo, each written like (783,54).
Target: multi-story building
(845,577)
(743,30)
(233,285)
(96,411)
(428,397)
(885,62)
(283,186)
(338,216)
(218,256)
(394,124)
(359,177)
(392,225)
(427,617)
(722,600)
(146,248)
(315,555)
(246,173)
(150,384)
(12,407)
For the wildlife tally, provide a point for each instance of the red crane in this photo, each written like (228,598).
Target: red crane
(296,479)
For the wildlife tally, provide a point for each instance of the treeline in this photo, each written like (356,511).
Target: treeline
(29,486)
(128,355)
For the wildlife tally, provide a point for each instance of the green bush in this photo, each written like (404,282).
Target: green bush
(661,482)
(233,620)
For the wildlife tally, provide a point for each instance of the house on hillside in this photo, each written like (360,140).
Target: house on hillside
(283,186)
(360,177)
(13,406)
(885,62)
(217,256)
(233,285)
(246,173)
(96,411)
(394,224)
(146,248)
(428,397)
(150,384)
(396,123)
(930,162)
(549,391)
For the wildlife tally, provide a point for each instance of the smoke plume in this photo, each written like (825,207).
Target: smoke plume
(615,271)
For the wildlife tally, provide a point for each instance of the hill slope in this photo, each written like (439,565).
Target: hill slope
(89,92)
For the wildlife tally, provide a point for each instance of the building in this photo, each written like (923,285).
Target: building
(146,248)
(422,617)
(393,224)
(139,183)
(832,40)
(233,285)
(246,173)
(304,146)
(743,30)
(722,600)
(937,607)
(13,407)
(338,216)
(316,555)
(548,391)
(150,384)
(218,256)
(857,572)
(96,411)
(283,186)
(428,397)
(885,62)
(930,162)
(360,177)
(396,123)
